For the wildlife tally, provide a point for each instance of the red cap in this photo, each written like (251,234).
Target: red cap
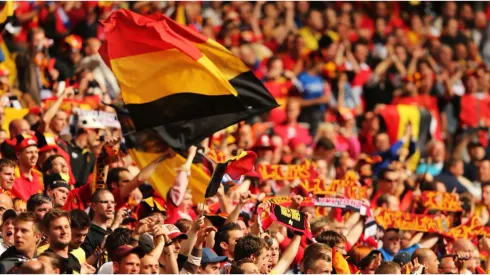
(174,232)
(124,250)
(263,143)
(23,141)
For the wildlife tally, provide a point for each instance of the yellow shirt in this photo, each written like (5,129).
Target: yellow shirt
(311,38)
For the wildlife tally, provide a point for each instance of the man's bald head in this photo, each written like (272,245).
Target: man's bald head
(19,126)
(463,245)
(427,258)
(32,267)
(5,203)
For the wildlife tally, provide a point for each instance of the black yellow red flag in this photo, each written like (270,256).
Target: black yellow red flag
(177,82)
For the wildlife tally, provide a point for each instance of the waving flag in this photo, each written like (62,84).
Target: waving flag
(178,82)
(234,167)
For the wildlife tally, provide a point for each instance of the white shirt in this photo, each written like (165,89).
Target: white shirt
(106,268)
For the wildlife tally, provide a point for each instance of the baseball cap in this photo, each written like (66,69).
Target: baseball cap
(149,206)
(174,232)
(124,250)
(366,260)
(53,181)
(9,214)
(209,256)
(402,258)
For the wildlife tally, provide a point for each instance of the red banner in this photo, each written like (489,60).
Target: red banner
(433,200)
(287,172)
(413,222)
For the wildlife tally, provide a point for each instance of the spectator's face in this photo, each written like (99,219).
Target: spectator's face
(471,85)
(438,152)
(25,236)
(128,265)
(315,21)
(475,260)
(243,226)
(38,39)
(234,236)
(3,134)
(485,193)
(361,53)
(382,142)
(251,268)
(28,156)
(42,209)
(59,233)
(58,196)
(105,206)
(124,178)
(8,232)
(445,55)
(211,268)
(275,69)
(264,261)
(270,10)
(380,25)
(321,267)
(452,27)
(292,111)
(381,9)
(484,171)
(391,242)
(458,169)
(450,9)
(275,251)
(461,51)
(405,239)
(7,178)
(389,183)
(59,166)
(59,122)
(432,264)
(186,202)
(447,266)
(149,265)
(78,237)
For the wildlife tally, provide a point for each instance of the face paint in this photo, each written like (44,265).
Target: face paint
(65,176)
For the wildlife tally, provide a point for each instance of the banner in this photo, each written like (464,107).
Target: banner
(413,222)
(291,218)
(287,172)
(347,204)
(433,200)
(287,201)
(341,188)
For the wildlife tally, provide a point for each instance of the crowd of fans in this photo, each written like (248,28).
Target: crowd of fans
(332,66)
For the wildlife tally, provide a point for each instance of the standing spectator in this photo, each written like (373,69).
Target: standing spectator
(28,181)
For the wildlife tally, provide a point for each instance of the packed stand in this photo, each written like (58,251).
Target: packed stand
(384,107)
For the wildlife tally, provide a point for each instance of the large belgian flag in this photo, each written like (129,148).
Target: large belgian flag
(395,119)
(177,82)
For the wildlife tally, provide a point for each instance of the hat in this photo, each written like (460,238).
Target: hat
(23,141)
(209,256)
(174,232)
(217,220)
(54,181)
(74,41)
(402,258)
(149,206)
(146,242)
(46,142)
(8,214)
(124,250)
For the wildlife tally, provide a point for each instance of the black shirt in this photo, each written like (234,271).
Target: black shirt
(69,265)
(94,239)
(82,163)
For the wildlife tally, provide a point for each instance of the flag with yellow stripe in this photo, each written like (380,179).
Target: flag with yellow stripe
(7,13)
(178,82)
(396,118)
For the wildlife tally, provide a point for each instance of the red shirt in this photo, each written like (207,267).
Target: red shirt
(78,198)
(24,188)
(23,8)
(279,89)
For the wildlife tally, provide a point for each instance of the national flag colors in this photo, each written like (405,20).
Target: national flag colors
(145,146)
(177,82)
(6,14)
(396,118)
(235,167)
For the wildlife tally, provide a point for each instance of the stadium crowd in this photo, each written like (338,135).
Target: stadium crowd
(389,102)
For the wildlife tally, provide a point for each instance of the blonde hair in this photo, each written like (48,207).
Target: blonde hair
(20,204)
